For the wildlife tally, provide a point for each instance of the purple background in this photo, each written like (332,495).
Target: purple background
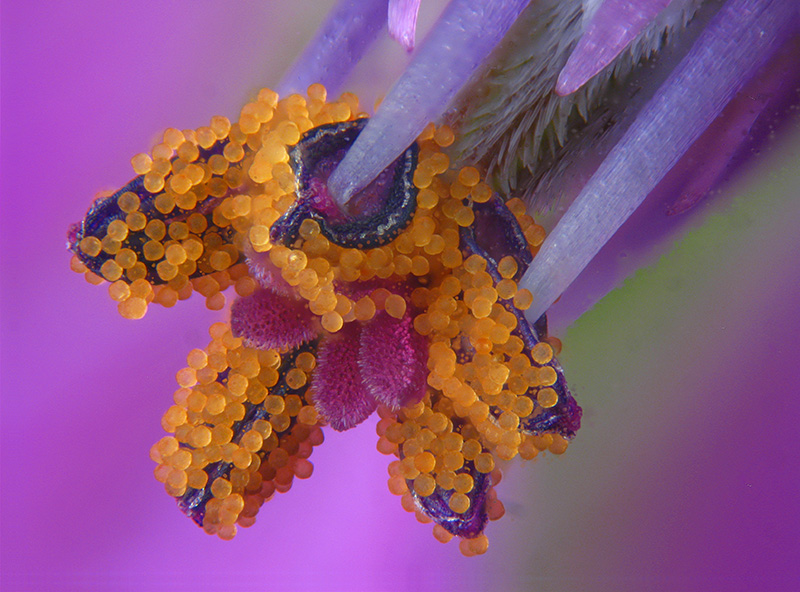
(684,477)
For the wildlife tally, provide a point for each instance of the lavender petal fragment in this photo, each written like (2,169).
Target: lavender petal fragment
(339,44)
(740,38)
(403,21)
(457,46)
(613,27)
(726,141)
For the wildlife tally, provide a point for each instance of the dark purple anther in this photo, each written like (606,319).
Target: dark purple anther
(471,523)
(497,233)
(494,235)
(106,210)
(193,502)
(377,214)
(102,213)
(564,418)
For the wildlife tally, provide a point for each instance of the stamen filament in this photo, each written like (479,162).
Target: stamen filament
(456,47)
(739,39)
(339,44)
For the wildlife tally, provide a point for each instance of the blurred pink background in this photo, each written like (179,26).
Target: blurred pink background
(684,477)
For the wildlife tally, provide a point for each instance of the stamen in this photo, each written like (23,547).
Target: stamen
(241,429)
(740,38)
(409,303)
(455,49)
(382,209)
(339,44)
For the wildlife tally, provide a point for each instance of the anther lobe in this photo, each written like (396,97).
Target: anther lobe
(379,212)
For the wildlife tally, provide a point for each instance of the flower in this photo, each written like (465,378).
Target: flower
(457,504)
(408,303)
(83,389)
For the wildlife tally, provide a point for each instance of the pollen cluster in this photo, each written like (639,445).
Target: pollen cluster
(198,218)
(200,199)
(485,381)
(242,428)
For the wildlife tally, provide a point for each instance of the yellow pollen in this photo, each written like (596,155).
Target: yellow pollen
(332,321)
(424,485)
(547,397)
(542,353)
(459,503)
(216,193)
(395,306)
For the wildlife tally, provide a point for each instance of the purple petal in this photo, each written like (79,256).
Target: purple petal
(339,391)
(740,38)
(455,48)
(615,24)
(403,21)
(267,320)
(340,43)
(393,359)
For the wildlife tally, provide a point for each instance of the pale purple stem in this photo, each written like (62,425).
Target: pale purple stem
(709,158)
(615,24)
(455,48)
(337,47)
(403,21)
(739,39)
(712,152)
